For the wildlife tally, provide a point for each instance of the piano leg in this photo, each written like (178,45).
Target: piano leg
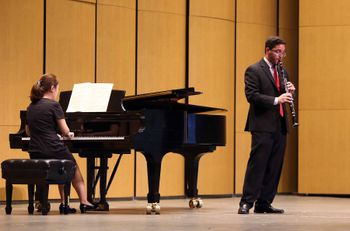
(91,182)
(191,175)
(154,162)
(153,170)
(90,178)
(103,205)
(191,179)
(192,157)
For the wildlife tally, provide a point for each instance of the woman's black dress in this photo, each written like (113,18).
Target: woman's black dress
(44,142)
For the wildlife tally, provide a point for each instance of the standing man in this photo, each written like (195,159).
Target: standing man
(267,122)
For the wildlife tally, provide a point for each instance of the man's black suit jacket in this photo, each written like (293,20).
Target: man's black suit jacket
(261,90)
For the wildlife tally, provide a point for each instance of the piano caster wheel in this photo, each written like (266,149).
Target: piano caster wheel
(200,203)
(149,208)
(102,206)
(156,208)
(153,208)
(38,206)
(195,203)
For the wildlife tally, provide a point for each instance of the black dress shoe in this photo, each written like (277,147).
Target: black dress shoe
(66,210)
(267,209)
(84,208)
(244,209)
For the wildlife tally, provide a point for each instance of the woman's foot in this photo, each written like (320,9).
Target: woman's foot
(66,210)
(84,208)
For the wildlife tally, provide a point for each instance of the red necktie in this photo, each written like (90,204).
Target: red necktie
(277,82)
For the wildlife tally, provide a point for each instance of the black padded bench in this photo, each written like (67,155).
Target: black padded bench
(38,172)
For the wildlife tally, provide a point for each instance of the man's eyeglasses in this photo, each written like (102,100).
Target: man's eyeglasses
(279,52)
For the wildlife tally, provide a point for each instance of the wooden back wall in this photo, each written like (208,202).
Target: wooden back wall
(144,46)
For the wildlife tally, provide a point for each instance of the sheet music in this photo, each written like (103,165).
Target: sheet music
(90,97)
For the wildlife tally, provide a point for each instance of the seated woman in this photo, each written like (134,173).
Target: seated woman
(44,118)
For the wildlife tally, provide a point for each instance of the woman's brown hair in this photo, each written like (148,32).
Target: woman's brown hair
(43,85)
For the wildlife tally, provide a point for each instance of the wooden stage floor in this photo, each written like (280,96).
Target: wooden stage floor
(302,213)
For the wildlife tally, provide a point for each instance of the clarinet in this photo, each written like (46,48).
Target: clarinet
(291,105)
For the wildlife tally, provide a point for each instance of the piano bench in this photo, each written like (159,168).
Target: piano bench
(40,172)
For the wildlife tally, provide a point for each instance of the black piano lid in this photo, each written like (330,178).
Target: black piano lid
(167,100)
(168,95)
(170,105)
(196,108)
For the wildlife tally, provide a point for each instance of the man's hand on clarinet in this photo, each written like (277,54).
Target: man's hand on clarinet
(285,98)
(290,87)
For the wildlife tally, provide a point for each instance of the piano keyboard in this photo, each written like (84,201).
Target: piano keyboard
(87,138)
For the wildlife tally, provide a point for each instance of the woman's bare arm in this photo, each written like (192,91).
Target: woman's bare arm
(64,129)
(27,130)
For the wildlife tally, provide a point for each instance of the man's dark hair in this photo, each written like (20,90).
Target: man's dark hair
(273,41)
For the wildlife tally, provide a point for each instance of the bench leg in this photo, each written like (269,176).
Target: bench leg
(37,198)
(40,188)
(66,197)
(9,189)
(44,197)
(30,198)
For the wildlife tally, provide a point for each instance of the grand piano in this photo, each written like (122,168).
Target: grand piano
(153,124)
